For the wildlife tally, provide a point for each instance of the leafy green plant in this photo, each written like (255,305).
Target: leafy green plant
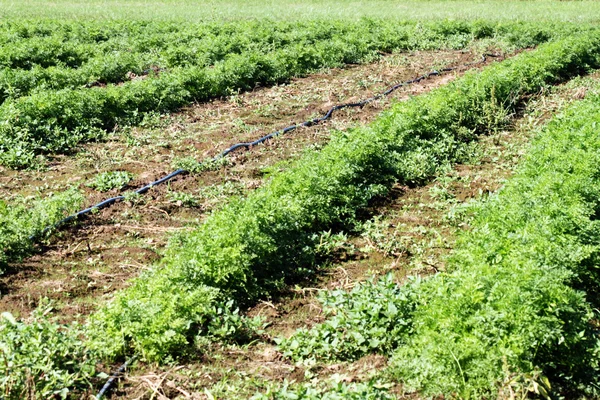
(133,197)
(41,359)
(332,390)
(374,317)
(374,231)
(183,199)
(229,326)
(192,166)
(109,180)
(22,218)
(197,317)
(328,243)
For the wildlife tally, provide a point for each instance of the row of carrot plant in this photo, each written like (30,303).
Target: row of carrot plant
(71,46)
(58,93)
(517,310)
(254,246)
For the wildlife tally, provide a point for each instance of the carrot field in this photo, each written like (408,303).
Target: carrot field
(299,200)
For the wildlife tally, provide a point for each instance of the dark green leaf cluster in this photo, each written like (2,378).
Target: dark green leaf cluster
(42,359)
(25,217)
(60,89)
(109,180)
(253,247)
(375,317)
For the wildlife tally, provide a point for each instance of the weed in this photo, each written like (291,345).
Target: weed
(25,217)
(109,180)
(328,243)
(374,232)
(331,390)
(183,199)
(133,198)
(41,358)
(374,317)
(192,166)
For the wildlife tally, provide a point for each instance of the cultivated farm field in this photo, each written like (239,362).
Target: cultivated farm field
(438,240)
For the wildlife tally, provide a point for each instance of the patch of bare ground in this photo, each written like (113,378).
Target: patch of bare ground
(413,231)
(84,264)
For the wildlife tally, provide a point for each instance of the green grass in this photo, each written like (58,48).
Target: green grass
(194,10)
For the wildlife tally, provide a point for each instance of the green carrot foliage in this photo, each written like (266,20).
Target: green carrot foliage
(254,246)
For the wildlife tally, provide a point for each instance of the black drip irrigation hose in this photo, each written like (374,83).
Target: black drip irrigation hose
(114,377)
(247,146)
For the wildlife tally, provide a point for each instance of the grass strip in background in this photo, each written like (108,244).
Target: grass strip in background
(541,11)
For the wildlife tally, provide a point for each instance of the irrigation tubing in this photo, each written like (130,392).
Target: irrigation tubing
(114,377)
(247,146)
